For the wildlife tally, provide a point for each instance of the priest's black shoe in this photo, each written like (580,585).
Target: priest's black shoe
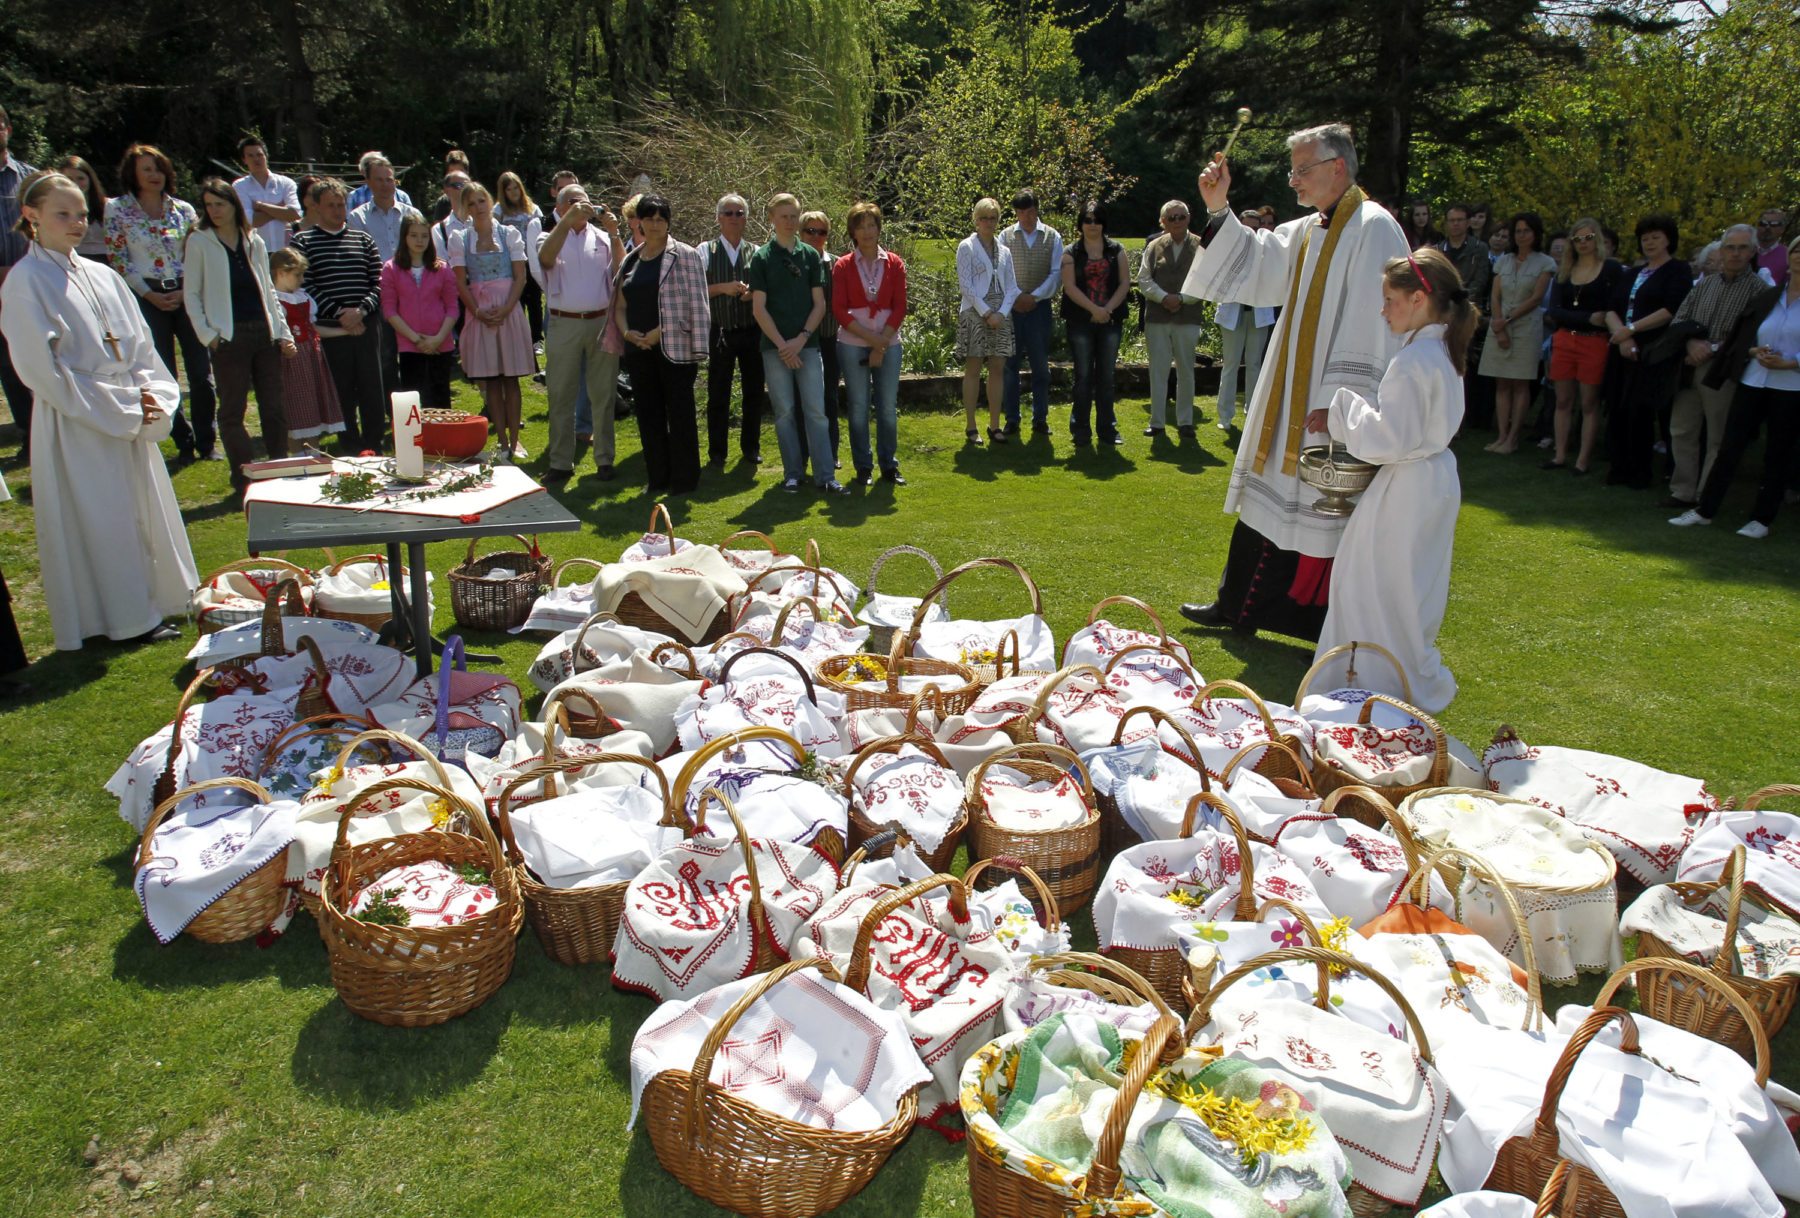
(1206,615)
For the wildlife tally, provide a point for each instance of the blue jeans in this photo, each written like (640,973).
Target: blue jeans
(802,387)
(1096,352)
(1031,341)
(859,381)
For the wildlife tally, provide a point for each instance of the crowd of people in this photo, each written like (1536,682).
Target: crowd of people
(322,299)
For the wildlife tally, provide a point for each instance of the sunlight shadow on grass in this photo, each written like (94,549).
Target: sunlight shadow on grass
(296,960)
(355,1063)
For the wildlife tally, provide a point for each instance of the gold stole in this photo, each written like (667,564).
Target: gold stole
(1294,397)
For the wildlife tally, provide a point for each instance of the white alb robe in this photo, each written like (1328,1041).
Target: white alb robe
(1391,580)
(1351,351)
(112,551)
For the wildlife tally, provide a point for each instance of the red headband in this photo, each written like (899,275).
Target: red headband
(1423,282)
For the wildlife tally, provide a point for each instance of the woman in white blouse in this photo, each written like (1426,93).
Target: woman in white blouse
(984,330)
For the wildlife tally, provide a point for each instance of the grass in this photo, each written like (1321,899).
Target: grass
(236,1082)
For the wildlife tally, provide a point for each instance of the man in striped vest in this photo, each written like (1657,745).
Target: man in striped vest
(736,342)
(1037,252)
(343,276)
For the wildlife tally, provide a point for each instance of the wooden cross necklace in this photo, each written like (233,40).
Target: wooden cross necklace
(88,294)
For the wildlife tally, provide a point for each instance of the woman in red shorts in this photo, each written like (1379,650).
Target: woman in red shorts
(1586,282)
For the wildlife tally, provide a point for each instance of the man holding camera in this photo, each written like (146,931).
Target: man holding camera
(577,257)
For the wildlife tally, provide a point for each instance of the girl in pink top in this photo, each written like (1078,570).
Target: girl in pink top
(418,298)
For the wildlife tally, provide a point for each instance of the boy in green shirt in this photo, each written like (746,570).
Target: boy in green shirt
(787,293)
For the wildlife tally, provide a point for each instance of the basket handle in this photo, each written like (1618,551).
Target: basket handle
(291,570)
(917,703)
(455,661)
(881,561)
(1440,758)
(1706,979)
(733,637)
(680,649)
(1261,748)
(416,747)
(1000,655)
(1554,1187)
(699,1075)
(1246,902)
(1192,993)
(1162,632)
(1041,704)
(767,541)
(1162,649)
(1779,790)
(887,841)
(340,849)
(949,577)
(529,545)
(1543,1137)
(1102,1179)
(753,914)
(567,765)
(322,725)
(284,595)
(779,633)
(593,619)
(678,790)
(891,744)
(172,802)
(1726,960)
(380,560)
(554,714)
(1369,796)
(1327,960)
(1158,715)
(1245,692)
(1051,917)
(812,695)
(1106,966)
(165,781)
(862,956)
(1034,751)
(1418,882)
(1353,647)
(661,509)
(564,565)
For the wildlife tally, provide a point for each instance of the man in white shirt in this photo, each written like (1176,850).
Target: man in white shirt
(270,200)
(380,217)
(362,194)
(1037,251)
(736,343)
(577,257)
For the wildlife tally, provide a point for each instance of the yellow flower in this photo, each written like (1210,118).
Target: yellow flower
(440,813)
(1187,900)
(1233,1120)
(1336,934)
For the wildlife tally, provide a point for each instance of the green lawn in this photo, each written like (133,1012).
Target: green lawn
(238,1084)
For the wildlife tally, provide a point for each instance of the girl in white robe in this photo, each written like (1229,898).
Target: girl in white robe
(1391,579)
(112,551)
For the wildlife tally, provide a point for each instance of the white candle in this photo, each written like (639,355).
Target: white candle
(409,433)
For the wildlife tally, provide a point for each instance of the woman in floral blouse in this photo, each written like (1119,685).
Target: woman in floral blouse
(147,229)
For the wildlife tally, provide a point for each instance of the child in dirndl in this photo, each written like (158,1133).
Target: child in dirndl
(489,261)
(308,393)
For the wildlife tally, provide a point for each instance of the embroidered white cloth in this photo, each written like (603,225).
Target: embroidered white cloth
(224,738)
(1767,945)
(1136,905)
(1482,1204)
(1377,756)
(1031,1000)
(561,608)
(1450,980)
(1345,706)
(245,639)
(1017,801)
(592,836)
(646,701)
(688,590)
(1150,786)
(1728,1083)
(362,587)
(387,815)
(605,643)
(810,1050)
(490,699)
(808,641)
(362,674)
(234,597)
(913,791)
(1771,856)
(781,701)
(825,586)
(1151,678)
(527,749)
(1644,816)
(654,545)
(1382,1102)
(686,925)
(200,853)
(901,866)
(432,892)
(966,641)
(1081,713)
(1101,640)
(1222,727)
(1529,846)
(505,483)
(761,779)
(1640,1129)
(897,612)
(1354,869)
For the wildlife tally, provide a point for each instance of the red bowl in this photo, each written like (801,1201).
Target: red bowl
(455,439)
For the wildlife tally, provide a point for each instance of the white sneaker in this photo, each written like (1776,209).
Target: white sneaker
(519,453)
(1223,424)
(1756,530)
(1689,517)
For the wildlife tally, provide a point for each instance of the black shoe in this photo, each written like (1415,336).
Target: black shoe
(160,634)
(892,477)
(558,478)
(861,479)
(605,473)
(1012,431)
(1187,432)
(1115,441)
(717,462)
(1154,431)
(1206,615)
(753,458)
(1554,464)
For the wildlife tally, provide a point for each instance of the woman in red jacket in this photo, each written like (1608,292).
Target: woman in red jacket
(868,297)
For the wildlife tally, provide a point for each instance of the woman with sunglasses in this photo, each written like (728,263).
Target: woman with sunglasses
(1586,282)
(815,230)
(659,322)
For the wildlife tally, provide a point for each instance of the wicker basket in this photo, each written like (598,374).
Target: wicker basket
(1290,774)
(1326,778)
(842,600)
(588,724)
(1164,968)
(575,925)
(1703,1010)
(334,724)
(255,901)
(1107,978)
(374,621)
(1023,730)
(1000,1191)
(1166,650)
(955,685)
(1163,641)
(1526,1164)
(881,638)
(208,623)
(1651,973)
(285,600)
(1416,888)
(862,828)
(1068,859)
(985,675)
(1318,666)
(754,1162)
(479,603)
(1198,979)
(829,842)
(761,649)
(407,976)
(1284,763)
(776,553)
(667,531)
(1363,1203)
(1115,834)
(1042,899)
(672,648)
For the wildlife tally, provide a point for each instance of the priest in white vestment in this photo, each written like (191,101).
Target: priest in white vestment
(1324,271)
(112,551)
